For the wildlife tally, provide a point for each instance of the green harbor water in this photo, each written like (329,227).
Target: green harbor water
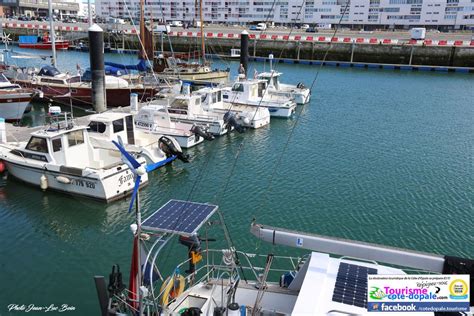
(378,156)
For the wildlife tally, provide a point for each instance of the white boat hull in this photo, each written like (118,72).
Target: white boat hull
(214,127)
(109,188)
(12,111)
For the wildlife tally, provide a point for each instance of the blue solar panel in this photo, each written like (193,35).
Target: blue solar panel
(180,217)
(351,284)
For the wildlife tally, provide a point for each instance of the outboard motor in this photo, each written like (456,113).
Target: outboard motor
(171,148)
(199,131)
(116,285)
(229,119)
(300,85)
(194,250)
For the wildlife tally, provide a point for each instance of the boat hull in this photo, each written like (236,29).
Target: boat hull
(82,96)
(107,189)
(12,108)
(47,45)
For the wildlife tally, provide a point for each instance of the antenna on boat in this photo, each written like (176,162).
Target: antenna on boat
(51,32)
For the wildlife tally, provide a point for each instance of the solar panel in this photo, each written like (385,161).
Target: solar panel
(180,217)
(351,284)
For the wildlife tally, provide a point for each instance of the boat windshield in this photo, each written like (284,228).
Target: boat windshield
(179,103)
(37,144)
(97,127)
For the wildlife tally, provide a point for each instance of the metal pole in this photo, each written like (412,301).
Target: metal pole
(51,32)
(203,48)
(96,53)
(244,50)
(139,232)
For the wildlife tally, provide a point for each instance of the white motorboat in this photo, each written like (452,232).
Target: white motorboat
(329,280)
(114,126)
(14,100)
(298,92)
(187,108)
(245,115)
(155,119)
(252,92)
(62,158)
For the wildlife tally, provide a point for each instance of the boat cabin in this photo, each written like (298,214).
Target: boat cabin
(272,78)
(244,90)
(153,116)
(210,97)
(69,147)
(5,84)
(111,125)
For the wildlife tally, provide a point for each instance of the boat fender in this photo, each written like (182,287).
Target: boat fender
(63,179)
(2,166)
(229,119)
(172,288)
(201,132)
(43,182)
(233,309)
(171,147)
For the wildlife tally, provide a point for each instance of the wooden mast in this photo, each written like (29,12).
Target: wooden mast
(203,49)
(142,54)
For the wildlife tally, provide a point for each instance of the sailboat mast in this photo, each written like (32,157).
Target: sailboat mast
(142,27)
(203,49)
(51,32)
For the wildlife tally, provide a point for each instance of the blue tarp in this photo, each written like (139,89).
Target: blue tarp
(28,39)
(141,66)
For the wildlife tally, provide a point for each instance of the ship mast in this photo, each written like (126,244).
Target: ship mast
(51,32)
(142,28)
(203,49)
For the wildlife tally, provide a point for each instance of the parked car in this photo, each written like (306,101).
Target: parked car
(253,27)
(311,30)
(305,26)
(261,27)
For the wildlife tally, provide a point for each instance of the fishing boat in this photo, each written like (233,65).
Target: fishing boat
(42,42)
(61,158)
(154,118)
(188,108)
(14,100)
(251,92)
(298,92)
(73,89)
(244,115)
(118,126)
(330,279)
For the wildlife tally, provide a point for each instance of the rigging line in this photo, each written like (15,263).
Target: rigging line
(298,116)
(330,44)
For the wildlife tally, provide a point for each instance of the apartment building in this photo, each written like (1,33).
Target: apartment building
(39,7)
(447,14)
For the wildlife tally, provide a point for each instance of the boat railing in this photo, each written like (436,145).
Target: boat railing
(217,263)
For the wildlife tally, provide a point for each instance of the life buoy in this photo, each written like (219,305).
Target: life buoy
(172,288)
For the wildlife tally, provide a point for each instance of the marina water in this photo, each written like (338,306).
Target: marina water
(378,156)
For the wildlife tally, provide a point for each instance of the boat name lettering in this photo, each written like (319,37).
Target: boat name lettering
(125,178)
(83,183)
(143,124)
